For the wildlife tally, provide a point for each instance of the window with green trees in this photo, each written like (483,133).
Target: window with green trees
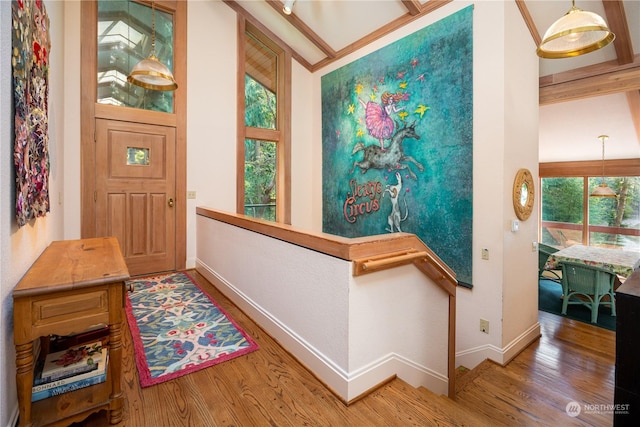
(263,187)
(570,215)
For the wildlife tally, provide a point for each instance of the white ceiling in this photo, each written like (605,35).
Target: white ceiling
(568,130)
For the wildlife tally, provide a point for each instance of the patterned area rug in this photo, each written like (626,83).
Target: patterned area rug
(178,329)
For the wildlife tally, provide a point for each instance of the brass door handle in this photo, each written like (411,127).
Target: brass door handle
(170,203)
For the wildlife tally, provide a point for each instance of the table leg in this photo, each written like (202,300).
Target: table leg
(24,380)
(115,360)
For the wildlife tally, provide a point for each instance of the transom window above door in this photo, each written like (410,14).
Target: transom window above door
(124,39)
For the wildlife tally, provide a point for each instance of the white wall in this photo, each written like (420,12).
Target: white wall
(71,187)
(21,246)
(305,162)
(520,287)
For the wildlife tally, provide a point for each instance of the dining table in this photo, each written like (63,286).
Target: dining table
(619,261)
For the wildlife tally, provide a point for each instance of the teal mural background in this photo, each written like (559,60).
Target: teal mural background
(431,73)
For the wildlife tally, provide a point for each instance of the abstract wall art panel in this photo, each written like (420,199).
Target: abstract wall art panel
(30,65)
(397,142)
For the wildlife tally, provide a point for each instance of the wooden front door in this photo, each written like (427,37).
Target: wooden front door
(135,192)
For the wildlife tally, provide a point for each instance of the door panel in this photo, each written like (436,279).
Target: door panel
(135,181)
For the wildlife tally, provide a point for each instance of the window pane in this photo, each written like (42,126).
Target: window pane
(615,222)
(562,211)
(125,38)
(260,85)
(260,105)
(260,179)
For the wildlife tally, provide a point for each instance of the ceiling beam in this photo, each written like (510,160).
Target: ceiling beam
(413,6)
(617,21)
(528,20)
(303,28)
(595,80)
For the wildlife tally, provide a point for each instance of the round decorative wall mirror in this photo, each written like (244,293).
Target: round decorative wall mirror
(523,194)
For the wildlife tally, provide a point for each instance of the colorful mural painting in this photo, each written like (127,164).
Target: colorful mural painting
(397,132)
(30,63)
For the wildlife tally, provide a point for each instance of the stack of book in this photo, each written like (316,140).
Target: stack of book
(70,369)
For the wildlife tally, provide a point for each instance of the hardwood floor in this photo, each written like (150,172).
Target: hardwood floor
(572,361)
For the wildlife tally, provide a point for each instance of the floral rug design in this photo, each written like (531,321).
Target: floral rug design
(178,329)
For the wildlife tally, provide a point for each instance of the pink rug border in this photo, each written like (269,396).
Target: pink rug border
(141,361)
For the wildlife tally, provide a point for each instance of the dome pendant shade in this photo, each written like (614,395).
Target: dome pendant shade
(603,190)
(576,33)
(150,73)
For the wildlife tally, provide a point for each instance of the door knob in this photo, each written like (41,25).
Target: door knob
(170,203)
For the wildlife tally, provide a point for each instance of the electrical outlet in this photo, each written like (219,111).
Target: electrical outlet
(485,253)
(484,326)
(191,194)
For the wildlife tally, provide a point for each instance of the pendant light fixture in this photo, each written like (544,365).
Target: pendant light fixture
(603,190)
(576,33)
(288,6)
(150,73)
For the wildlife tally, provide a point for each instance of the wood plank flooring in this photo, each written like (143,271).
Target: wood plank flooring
(572,361)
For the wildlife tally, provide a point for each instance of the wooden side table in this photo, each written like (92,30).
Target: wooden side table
(74,285)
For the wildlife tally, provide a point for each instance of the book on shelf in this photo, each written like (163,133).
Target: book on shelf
(99,332)
(54,388)
(72,361)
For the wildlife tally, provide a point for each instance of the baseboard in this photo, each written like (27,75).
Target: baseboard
(521,342)
(349,386)
(474,356)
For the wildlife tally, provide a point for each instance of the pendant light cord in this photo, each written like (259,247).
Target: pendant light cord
(603,138)
(153,28)
(602,159)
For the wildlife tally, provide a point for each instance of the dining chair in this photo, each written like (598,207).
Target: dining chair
(587,285)
(544,252)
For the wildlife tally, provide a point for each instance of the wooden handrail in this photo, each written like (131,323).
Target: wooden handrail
(368,254)
(386,261)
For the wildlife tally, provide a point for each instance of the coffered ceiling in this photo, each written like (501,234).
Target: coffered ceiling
(580,98)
